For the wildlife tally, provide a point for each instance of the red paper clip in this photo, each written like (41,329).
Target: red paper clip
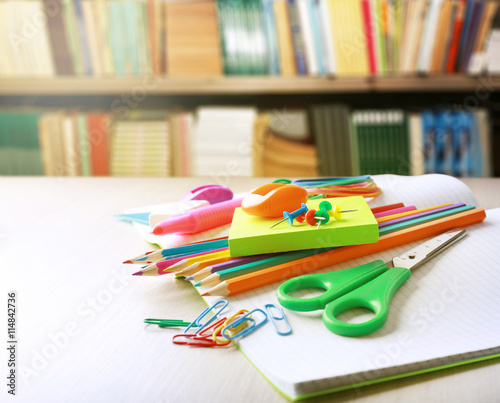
(202,339)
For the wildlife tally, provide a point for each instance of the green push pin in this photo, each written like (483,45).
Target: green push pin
(322,216)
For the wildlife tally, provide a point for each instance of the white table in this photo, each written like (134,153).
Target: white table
(80,313)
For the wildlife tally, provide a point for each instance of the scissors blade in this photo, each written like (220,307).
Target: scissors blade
(417,256)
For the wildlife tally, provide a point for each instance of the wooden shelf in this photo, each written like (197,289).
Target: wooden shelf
(241,85)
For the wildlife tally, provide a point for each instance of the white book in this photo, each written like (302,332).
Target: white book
(307,37)
(416,144)
(327,38)
(429,36)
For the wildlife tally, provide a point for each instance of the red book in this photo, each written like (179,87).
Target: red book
(370,39)
(98,126)
(455,39)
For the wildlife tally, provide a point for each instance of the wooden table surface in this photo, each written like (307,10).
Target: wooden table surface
(80,313)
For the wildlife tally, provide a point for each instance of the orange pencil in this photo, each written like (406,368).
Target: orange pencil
(308,264)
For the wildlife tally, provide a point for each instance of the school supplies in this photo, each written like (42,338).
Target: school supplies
(167,322)
(207,271)
(251,267)
(371,285)
(277,318)
(251,235)
(272,199)
(211,193)
(249,319)
(149,215)
(199,220)
(188,266)
(338,187)
(338,255)
(177,263)
(289,217)
(180,250)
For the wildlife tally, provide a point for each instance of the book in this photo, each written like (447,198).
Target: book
(192,39)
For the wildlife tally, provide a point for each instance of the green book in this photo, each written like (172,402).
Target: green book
(5,147)
(72,35)
(84,145)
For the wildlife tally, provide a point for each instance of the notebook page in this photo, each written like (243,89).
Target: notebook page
(421,191)
(446,312)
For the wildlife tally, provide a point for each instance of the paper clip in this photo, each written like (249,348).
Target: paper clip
(280,316)
(167,322)
(247,330)
(202,339)
(197,321)
(218,331)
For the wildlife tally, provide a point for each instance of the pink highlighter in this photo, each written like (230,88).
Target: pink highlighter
(200,219)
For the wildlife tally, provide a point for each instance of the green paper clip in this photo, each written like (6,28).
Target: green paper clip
(167,322)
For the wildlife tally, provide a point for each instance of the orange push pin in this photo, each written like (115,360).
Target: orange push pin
(272,199)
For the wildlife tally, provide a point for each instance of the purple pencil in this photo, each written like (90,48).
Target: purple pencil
(207,271)
(418,215)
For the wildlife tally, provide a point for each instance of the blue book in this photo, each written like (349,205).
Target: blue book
(298,47)
(429,140)
(465,32)
(477,12)
(271,37)
(87,65)
(462,145)
(132,38)
(449,121)
(317,37)
(476,152)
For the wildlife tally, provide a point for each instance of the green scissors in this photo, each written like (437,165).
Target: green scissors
(371,286)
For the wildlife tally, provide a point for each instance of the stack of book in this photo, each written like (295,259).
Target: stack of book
(453,142)
(236,37)
(222,141)
(278,152)
(141,145)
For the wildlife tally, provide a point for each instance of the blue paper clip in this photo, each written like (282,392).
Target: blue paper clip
(275,318)
(247,330)
(197,321)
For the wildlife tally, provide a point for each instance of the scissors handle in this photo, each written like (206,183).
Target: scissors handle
(335,285)
(375,295)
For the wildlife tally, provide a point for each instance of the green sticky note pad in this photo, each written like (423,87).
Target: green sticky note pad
(251,235)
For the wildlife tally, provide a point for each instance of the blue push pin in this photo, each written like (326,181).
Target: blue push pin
(290,216)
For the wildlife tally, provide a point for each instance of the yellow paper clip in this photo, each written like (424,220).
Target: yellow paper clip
(217,332)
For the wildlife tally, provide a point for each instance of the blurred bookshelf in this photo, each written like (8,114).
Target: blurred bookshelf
(379,86)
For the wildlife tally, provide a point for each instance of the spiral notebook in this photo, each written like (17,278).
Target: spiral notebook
(444,315)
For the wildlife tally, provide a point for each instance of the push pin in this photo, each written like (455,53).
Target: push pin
(290,216)
(322,216)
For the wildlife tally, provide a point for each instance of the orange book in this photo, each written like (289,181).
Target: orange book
(192,39)
(98,126)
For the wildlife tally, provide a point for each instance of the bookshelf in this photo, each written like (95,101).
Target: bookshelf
(162,85)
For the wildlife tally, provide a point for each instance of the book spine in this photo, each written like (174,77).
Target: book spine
(300,61)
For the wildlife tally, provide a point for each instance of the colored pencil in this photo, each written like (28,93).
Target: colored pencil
(188,248)
(207,271)
(197,266)
(308,264)
(407,213)
(394,211)
(178,263)
(419,215)
(233,272)
(376,210)
(422,220)
(433,214)
(156,269)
